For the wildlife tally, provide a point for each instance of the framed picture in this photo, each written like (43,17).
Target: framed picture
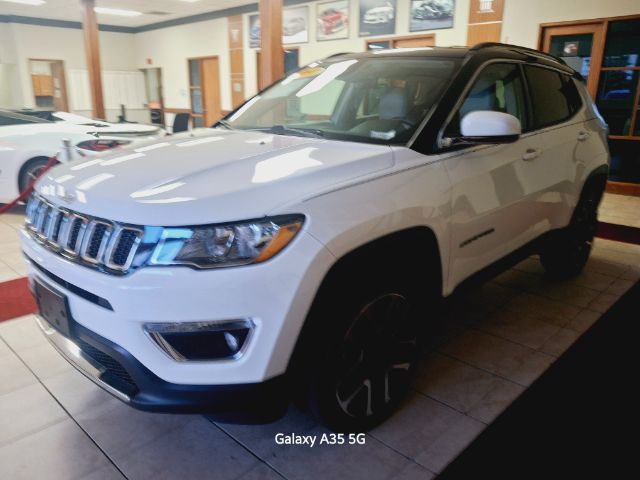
(332,20)
(431,14)
(295,25)
(254,31)
(377,17)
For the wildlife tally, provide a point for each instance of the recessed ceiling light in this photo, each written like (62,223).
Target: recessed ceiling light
(117,11)
(27,2)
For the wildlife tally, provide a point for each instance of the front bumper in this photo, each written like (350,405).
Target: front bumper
(276,295)
(118,372)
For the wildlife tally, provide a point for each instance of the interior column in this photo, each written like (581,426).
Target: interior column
(92,50)
(272,58)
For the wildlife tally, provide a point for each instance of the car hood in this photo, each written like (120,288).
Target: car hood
(208,176)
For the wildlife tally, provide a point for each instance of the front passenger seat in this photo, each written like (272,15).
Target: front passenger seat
(392,113)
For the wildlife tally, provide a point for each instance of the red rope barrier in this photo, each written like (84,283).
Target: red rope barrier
(52,161)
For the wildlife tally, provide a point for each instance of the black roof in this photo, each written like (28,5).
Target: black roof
(486,50)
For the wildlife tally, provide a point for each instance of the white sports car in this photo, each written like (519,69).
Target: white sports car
(27,143)
(102,127)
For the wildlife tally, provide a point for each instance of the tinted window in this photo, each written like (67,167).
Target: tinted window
(498,88)
(5,120)
(554,96)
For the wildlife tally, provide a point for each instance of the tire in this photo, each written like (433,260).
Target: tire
(363,368)
(29,171)
(567,251)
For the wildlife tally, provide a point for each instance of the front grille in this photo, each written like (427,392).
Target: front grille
(94,242)
(114,374)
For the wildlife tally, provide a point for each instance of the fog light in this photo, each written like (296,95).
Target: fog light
(201,341)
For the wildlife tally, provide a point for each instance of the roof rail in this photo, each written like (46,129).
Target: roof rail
(517,48)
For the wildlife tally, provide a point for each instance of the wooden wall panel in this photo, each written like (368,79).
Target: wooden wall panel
(483,32)
(481,11)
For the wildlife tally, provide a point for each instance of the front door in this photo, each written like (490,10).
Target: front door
(580,46)
(490,214)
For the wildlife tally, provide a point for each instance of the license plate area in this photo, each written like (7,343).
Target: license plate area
(54,307)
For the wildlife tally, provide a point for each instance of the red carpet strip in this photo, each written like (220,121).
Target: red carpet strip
(619,233)
(16,299)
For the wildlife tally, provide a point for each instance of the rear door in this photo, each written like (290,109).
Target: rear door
(556,138)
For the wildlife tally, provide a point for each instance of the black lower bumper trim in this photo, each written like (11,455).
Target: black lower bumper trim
(245,403)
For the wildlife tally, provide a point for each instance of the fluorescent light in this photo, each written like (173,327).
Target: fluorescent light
(117,11)
(27,2)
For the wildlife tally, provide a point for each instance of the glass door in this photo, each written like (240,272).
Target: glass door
(195,91)
(580,46)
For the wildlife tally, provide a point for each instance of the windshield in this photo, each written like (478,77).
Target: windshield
(373,100)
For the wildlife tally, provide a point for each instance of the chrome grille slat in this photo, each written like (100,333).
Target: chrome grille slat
(102,244)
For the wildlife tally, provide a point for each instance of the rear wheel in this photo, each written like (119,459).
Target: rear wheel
(30,171)
(364,368)
(567,251)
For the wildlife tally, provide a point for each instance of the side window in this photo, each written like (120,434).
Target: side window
(498,88)
(554,96)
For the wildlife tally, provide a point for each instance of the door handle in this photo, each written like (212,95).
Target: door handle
(531,154)
(582,136)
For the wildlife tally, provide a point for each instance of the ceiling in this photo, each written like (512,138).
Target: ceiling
(153,10)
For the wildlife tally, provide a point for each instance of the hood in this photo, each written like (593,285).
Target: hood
(208,176)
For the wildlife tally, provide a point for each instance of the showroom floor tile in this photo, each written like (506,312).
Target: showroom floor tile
(497,339)
(620,209)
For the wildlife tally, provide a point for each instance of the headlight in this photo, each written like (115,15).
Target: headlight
(226,245)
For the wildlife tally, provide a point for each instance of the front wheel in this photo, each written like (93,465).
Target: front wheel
(365,370)
(566,252)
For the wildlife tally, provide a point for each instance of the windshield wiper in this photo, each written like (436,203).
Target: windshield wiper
(284,130)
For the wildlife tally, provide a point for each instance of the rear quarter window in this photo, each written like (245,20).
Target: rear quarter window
(554,96)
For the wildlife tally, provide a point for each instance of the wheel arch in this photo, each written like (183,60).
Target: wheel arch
(418,245)
(596,180)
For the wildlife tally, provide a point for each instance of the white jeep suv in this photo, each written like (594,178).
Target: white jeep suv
(298,248)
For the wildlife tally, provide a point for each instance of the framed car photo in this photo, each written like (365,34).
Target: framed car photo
(431,15)
(295,25)
(377,17)
(332,20)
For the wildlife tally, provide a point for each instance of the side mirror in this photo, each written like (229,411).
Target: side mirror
(485,126)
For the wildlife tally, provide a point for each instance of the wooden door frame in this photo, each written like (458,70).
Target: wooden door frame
(202,87)
(161,91)
(623,188)
(367,41)
(599,31)
(65,93)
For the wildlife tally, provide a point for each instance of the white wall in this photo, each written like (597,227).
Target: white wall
(117,52)
(522,18)
(10,88)
(169,49)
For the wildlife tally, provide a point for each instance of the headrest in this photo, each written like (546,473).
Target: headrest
(393,104)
